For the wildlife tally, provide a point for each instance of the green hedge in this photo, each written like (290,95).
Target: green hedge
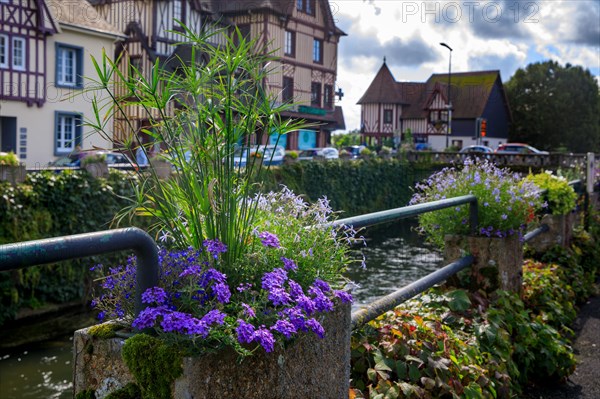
(50,205)
(352,187)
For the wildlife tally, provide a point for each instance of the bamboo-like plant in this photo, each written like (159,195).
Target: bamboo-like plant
(199,114)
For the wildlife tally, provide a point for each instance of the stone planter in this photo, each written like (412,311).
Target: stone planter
(498,261)
(13,174)
(560,232)
(97,169)
(308,368)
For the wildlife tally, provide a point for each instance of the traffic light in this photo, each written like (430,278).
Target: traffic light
(483,127)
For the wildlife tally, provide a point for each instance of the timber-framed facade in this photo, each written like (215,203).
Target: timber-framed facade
(301,33)
(45,49)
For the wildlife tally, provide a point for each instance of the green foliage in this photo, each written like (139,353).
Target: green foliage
(421,350)
(129,391)
(450,343)
(93,158)
(52,205)
(9,159)
(355,187)
(104,330)
(87,394)
(560,196)
(552,105)
(506,203)
(228,105)
(346,139)
(154,365)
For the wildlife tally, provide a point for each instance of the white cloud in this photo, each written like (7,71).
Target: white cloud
(504,34)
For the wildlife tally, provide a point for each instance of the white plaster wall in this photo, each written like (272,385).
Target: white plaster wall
(39,121)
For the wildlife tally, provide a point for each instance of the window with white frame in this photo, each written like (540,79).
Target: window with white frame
(68,66)
(3,51)
(19,52)
(67,132)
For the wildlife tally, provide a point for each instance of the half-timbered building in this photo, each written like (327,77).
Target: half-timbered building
(390,109)
(45,49)
(301,33)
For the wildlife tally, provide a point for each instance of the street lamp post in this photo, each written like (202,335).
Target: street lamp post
(449,132)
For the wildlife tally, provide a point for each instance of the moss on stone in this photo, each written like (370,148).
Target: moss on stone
(104,330)
(154,364)
(129,391)
(87,394)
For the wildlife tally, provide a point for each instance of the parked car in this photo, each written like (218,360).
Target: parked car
(476,149)
(113,159)
(423,147)
(319,153)
(518,148)
(354,150)
(272,155)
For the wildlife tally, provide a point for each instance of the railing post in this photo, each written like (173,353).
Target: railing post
(590,175)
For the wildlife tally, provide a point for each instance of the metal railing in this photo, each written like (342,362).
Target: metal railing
(50,250)
(30,253)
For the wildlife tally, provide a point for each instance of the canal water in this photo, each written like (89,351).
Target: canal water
(395,256)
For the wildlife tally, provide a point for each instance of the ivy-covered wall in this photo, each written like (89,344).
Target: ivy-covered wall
(50,205)
(352,187)
(55,204)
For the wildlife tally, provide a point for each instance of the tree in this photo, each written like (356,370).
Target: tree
(554,106)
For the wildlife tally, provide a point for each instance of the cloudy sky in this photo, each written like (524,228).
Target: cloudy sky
(503,34)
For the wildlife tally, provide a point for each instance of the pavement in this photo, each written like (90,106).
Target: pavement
(584,383)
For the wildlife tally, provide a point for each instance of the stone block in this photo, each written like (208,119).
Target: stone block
(308,367)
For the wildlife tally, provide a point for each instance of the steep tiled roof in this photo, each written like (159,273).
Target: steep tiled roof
(383,89)
(281,7)
(80,14)
(470,92)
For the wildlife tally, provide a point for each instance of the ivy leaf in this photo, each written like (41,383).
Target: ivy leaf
(428,383)
(414,373)
(401,370)
(458,301)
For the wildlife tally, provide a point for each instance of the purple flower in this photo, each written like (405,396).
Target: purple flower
(274,279)
(264,337)
(344,296)
(215,247)
(245,332)
(279,296)
(322,303)
(316,327)
(284,327)
(147,317)
(221,291)
(296,318)
(244,287)
(248,311)
(215,316)
(154,295)
(269,239)
(306,304)
(289,264)
(322,285)
(193,270)
(295,289)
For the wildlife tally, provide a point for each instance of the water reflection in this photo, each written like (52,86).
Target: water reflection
(42,371)
(395,256)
